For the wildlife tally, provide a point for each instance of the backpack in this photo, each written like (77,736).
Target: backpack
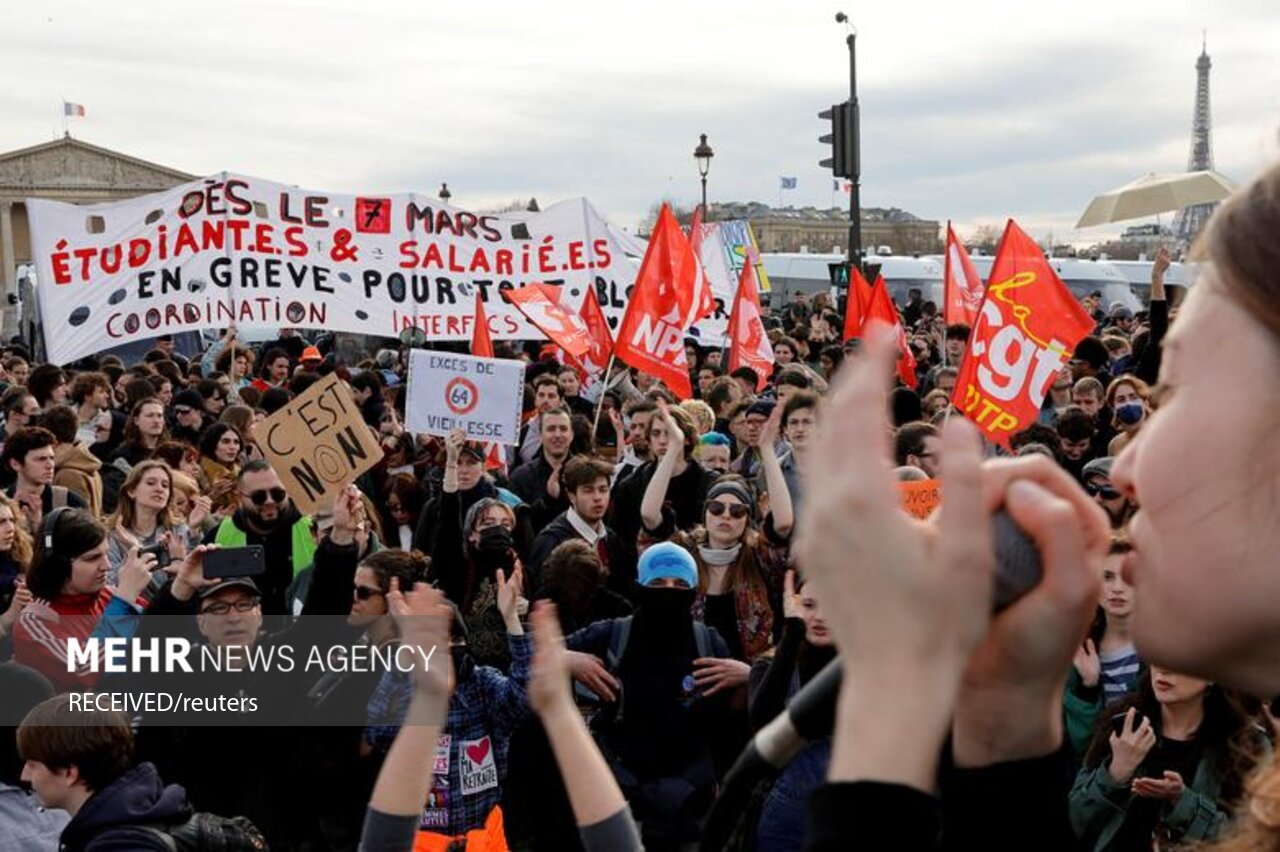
(205,832)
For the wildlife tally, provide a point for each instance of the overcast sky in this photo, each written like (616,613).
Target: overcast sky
(971,111)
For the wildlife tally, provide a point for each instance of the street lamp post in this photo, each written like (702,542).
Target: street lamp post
(445,194)
(703,155)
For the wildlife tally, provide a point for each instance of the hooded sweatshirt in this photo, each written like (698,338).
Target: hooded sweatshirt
(138,797)
(76,469)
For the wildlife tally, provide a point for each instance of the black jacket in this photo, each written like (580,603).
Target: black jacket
(137,797)
(556,533)
(529,483)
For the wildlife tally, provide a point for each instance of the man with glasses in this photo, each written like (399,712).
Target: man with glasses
(918,445)
(267,516)
(1098,485)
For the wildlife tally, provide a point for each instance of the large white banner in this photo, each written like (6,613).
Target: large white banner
(725,249)
(481,396)
(265,255)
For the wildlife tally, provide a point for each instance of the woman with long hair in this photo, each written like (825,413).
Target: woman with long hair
(15,560)
(220,447)
(144,517)
(1106,668)
(1166,764)
(1129,399)
(144,432)
(402,503)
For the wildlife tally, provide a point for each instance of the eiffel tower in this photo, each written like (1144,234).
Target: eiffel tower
(1190,221)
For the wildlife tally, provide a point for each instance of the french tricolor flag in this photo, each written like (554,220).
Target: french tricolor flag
(69,108)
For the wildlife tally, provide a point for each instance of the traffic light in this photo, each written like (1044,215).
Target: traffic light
(843,140)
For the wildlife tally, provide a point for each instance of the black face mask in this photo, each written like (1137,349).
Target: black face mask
(494,549)
(672,606)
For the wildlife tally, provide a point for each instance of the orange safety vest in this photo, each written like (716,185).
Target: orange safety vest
(491,838)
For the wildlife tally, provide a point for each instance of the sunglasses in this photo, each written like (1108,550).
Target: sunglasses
(1106,492)
(363,593)
(260,496)
(737,511)
(181,410)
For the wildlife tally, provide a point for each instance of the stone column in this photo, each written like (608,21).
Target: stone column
(9,272)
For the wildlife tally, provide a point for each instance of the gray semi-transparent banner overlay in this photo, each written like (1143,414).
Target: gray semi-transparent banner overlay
(233,667)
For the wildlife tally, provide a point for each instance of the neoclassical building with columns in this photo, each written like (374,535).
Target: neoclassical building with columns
(68,170)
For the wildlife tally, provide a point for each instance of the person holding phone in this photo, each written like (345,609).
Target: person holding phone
(144,518)
(1164,765)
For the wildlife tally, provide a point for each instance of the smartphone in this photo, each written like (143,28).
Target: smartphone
(160,552)
(248,561)
(1117,722)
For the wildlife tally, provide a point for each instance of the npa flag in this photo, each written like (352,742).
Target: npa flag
(855,311)
(69,109)
(962,283)
(540,303)
(482,346)
(749,346)
(880,307)
(1023,336)
(670,294)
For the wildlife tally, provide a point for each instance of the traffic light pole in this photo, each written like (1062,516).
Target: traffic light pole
(855,206)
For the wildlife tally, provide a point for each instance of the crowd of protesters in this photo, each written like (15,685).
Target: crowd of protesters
(623,607)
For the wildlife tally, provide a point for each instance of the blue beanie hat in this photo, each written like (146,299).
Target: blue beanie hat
(665,559)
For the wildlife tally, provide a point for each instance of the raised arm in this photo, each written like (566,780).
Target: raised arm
(779,495)
(656,492)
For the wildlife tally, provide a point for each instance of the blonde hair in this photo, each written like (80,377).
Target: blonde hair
(704,419)
(22,549)
(124,514)
(185,483)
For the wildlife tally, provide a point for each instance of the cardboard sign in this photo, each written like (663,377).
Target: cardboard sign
(481,396)
(921,497)
(318,444)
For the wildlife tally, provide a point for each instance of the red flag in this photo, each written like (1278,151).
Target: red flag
(962,283)
(670,294)
(1024,335)
(880,307)
(481,342)
(855,311)
(595,361)
(540,303)
(749,346)
(695,232)
(482,346)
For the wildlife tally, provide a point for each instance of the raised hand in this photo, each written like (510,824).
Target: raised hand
(424,618)
(1087,664)
(509,594)
(1130,746)
(549,681)
(135,574)
(790,597)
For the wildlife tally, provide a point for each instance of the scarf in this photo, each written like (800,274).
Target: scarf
(717,557)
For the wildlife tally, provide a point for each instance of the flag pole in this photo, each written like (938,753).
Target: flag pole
(604,387)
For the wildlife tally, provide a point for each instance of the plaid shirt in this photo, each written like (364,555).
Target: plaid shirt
(488,705)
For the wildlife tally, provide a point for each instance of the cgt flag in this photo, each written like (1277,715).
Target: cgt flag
(749,345)
(670,294)
(1023,336)
(880,307)
(963,284)
(540,303)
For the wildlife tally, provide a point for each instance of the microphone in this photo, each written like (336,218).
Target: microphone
(811,712)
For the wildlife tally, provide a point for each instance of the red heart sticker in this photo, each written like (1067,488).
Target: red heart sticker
(478,752)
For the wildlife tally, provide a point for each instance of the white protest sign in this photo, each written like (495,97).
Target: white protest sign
(236,249)
(481,396)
